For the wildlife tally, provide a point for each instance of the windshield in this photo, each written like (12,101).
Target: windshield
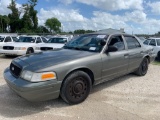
(89,42)
(57,40)
(1,39)
(15,39)
(146,42)
(26,39)
(158,42)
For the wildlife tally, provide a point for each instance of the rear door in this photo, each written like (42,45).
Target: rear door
(115,63)
(135,52)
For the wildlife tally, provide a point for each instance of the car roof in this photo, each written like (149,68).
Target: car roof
(32,36)
(153,38)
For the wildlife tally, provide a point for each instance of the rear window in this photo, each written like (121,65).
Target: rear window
(132,42)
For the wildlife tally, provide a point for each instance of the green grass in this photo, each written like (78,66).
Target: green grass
(156,63)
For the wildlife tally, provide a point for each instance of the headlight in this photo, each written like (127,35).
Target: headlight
(37,48)
(1,47)
(38,77)
(20,48)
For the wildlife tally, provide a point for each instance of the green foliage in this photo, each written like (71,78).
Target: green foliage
(28,23)
(14,17)
(53,24)
(4,23)
(42,29)
(81,31)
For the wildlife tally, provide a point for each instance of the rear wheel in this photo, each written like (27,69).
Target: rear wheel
(76,87)
(143,68)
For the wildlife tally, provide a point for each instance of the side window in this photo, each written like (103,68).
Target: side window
(153,43)
(38,40)
(8,39)
(117,42)
(132,42)
(44,39)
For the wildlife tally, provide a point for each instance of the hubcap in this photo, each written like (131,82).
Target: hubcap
(78,88)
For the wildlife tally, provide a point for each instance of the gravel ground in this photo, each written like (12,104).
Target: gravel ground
(127,98)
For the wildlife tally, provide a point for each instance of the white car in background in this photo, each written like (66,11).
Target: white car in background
(155,43)
(53,43)
(25,45)
(7,39)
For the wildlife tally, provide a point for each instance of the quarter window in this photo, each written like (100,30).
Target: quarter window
(117,42)
(132,42)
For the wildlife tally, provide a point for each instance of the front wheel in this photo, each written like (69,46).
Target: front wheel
(143,68)
(29,51)
(76,87)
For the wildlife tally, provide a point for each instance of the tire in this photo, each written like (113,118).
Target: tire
(143,68)
(29,51)
(76,87)
(158,56)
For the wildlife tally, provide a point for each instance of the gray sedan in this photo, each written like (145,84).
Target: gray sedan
(72,71)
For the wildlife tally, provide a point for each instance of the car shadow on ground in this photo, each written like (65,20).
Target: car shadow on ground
(13,106)
(110,83)
(7,57)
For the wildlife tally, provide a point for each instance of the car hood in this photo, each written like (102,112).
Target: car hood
(50,58)
(54,45)
(17,44)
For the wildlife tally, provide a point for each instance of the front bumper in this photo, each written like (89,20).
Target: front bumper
(40,91)
(13,52)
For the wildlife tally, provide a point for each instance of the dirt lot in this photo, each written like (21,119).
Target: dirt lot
(126,98)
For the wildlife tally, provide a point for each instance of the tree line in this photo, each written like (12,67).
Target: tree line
(25,20)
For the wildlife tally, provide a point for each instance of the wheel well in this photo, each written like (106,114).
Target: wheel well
(86,70)
(31,49)
(148,57)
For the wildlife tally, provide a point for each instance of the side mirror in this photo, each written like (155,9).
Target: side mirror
(111,49)
(103,42)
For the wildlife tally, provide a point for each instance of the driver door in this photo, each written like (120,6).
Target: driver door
(115,63)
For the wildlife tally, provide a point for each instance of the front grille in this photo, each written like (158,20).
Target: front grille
(46,48)
(8,47)
(15,70)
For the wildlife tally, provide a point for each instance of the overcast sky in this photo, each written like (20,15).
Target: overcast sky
(137,16)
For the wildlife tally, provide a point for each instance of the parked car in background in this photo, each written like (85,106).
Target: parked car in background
(72,71)
(7,39)
(52,43)
(155,43)
(25,45)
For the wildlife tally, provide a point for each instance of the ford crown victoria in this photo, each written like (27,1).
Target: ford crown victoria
(72,71)
(52,43)
(25,45)
(7,39)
